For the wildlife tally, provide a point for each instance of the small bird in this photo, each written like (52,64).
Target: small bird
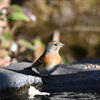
(49,61)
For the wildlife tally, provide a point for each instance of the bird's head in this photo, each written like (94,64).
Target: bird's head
(54,46)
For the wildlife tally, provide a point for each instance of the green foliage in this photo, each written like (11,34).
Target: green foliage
(65,60)
(26,44)
(5,38)
(37,41)
(16,7)
(18,16)
(0,13)
(1,0)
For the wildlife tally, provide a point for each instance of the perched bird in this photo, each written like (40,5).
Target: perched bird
(50,59)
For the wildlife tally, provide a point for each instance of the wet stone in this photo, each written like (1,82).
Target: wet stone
(15,80)
(67,82)
(74,82)
(75,78)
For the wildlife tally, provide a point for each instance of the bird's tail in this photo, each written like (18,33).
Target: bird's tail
(29,68)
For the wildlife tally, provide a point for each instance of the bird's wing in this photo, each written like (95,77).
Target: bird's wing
(38,62)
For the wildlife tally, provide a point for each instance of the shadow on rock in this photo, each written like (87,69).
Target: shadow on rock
(74,82)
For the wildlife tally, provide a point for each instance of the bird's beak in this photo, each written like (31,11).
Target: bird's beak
(62,45)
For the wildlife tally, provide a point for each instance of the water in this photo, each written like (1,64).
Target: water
(58,96)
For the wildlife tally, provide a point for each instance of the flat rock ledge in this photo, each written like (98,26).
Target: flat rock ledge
(15,81)
(75,82)
(75,77)
(68,81)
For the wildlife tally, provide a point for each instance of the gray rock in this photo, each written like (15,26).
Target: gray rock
(67,82)
(75,82)
(74,96)
(75,78)
(15,80)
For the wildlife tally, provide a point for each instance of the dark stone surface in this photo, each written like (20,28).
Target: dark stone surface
(75,82)
(67,82)
(74,96)
(75,78)
(14,80)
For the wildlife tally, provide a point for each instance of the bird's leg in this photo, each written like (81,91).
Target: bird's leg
(44,79)
(53,78)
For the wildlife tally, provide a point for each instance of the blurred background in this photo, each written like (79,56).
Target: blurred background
(26,26)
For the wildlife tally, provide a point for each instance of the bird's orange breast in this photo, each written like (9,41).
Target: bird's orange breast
(49,59)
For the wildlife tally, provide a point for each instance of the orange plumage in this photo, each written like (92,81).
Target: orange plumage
(50,59)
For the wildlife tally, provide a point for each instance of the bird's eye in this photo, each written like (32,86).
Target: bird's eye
(55,44)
